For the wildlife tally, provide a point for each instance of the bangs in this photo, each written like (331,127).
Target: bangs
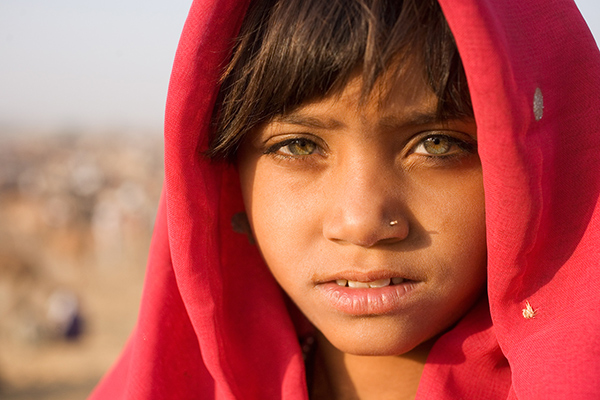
(294,51)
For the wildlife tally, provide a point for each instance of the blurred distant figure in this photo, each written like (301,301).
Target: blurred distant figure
(64,314)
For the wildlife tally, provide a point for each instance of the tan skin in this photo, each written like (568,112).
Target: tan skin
(348,376)
(321,185)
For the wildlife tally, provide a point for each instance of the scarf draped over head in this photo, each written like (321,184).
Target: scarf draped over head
(214,324)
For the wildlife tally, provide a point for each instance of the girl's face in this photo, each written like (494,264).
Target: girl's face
(370,216)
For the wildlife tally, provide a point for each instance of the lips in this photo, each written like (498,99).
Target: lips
(371,293)
(379,283)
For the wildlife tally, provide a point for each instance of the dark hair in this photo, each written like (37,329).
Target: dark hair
(292,51)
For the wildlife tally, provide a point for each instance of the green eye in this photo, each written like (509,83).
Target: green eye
(301,147)
(437,145)
(294,147)
(440,145)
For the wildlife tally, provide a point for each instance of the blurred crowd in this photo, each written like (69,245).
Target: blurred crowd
(76,215)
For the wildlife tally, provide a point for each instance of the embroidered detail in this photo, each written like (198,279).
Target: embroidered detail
(538,104)
(528,311)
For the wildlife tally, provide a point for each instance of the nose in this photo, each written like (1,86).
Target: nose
(365,206)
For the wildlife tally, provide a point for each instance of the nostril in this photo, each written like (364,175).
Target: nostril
(390,240)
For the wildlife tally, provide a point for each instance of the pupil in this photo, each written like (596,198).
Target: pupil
(437,145)
(301,147)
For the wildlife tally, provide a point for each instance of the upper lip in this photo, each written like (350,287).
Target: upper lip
(363,276)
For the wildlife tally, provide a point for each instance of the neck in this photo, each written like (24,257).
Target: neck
(344,376)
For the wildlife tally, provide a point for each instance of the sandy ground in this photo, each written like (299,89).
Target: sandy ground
(66,370)
(58,392)
(76,217)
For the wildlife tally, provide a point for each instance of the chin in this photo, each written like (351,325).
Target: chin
(365,338)
(362,348)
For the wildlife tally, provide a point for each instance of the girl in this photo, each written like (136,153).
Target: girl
(375,192)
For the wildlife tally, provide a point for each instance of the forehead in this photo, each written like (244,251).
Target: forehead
(399,94)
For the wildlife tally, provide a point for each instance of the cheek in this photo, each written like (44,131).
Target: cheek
(283,221)
(451,202)
(456,220)
(272,207)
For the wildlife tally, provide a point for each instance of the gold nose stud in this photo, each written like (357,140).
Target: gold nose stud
(392,223)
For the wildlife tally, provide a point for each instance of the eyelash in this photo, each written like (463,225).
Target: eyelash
(275,149)
(463,145)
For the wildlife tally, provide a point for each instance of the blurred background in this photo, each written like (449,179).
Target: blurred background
(82,92)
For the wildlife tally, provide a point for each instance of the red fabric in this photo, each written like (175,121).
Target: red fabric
(213,323)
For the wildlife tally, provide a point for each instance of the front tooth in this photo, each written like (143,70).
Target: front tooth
(356,284)
(397,281)
(380,283)
(341,282)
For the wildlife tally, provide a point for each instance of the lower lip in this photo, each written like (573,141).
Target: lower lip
(367,301)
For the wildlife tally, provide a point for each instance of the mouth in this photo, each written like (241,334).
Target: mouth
(371,293)
(368,279)
(379,283)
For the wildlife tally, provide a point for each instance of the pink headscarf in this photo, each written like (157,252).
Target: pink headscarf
(534,73)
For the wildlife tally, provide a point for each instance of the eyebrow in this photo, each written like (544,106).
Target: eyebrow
(308,121)
(389,122)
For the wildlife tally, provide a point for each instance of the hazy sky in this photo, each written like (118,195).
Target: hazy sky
(86,63)
(82,63)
